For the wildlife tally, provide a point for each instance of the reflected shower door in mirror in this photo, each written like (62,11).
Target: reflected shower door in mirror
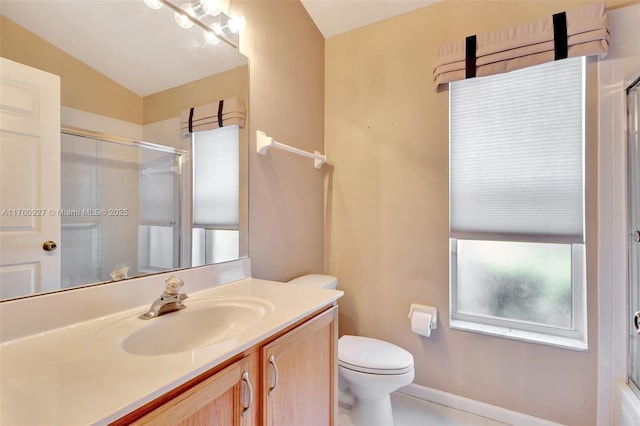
(119,210)
(127,73)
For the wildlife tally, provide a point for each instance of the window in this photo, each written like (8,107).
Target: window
(216,186)
(517,204)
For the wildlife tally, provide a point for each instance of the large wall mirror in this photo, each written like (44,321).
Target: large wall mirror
(138,194)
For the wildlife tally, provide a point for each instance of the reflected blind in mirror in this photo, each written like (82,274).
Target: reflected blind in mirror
(216,178)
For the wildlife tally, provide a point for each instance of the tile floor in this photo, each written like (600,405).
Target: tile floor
(410,411)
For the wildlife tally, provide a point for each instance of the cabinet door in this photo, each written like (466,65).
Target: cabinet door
(224,399)
(300,372)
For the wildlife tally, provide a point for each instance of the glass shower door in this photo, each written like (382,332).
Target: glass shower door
(120,209)
(633,173)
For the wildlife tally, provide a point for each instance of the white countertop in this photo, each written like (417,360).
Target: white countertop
(68,377)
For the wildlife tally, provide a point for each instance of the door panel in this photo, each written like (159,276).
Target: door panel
(30,156)
(18,280)
(300,374)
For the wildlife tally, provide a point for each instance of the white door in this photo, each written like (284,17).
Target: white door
(29,179)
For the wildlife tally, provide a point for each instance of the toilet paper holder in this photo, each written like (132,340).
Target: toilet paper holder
(430,310)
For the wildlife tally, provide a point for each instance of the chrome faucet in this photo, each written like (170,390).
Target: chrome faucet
(169,301)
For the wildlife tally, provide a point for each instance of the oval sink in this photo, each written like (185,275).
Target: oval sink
(205,322)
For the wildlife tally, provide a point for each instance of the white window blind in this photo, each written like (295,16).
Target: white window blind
(216,178)
(517,154)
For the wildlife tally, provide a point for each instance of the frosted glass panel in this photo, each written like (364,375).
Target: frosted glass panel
(159,183)
(161,244)
(81,189)
(214,246)
(518,281)
(113,193)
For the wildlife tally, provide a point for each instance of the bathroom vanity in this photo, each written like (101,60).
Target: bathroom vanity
(288,378)
(244,352)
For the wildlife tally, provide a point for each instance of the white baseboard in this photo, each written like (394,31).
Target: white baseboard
(472,406)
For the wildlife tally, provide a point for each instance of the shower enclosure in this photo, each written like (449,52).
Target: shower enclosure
(120,212)
(633,173)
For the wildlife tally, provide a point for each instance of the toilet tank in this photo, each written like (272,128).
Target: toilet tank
(316,280)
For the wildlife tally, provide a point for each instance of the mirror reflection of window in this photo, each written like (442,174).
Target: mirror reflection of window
(216,179)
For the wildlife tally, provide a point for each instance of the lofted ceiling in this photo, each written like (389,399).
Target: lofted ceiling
(145,51)
(333,17)
(140,48)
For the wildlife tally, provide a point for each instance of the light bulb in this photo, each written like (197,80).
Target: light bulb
(217,28)
(210,37)
(210,7)
(182,19)
(153,4)
(236,24)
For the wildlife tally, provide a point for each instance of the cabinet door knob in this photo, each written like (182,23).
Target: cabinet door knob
(272,361)
(245,379)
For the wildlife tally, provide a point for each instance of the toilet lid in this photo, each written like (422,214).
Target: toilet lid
(374,356)
(316,280)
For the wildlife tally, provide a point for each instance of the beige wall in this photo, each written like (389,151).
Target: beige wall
(81,85)
(286,56)
(386,235)
(169,103)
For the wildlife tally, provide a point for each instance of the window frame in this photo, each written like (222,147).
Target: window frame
(575,337)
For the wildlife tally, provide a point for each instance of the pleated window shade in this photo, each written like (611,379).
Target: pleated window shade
(226,112)
(216,178)
(516,153)
(576,32)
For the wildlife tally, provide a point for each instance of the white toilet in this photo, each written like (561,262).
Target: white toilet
(369,369)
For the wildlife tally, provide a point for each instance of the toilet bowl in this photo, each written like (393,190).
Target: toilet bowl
(369,370)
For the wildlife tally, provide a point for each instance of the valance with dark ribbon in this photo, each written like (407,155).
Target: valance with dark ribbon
(212,116)
(579,32)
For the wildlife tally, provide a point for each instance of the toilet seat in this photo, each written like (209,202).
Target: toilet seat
(373,356)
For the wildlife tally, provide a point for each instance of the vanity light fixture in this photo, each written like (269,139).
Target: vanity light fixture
(182,18)
(210,37)
(153,4)
(237,24)
(207,15)
(234,26)
(210,7)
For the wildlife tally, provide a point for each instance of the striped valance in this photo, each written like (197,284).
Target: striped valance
(211,116)
(578,32)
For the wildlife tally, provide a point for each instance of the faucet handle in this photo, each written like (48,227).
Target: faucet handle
(173,285)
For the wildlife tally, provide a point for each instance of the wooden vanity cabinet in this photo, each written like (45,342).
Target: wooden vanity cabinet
(227,398)
(293,378)
(300,374)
